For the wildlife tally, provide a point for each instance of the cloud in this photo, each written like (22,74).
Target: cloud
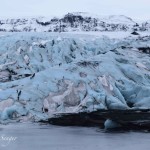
(17,8)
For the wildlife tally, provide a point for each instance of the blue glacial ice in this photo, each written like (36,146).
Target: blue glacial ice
(42,74)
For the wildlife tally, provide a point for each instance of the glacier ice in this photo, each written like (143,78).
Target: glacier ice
(45,73)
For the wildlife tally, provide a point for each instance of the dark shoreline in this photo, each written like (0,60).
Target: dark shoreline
(126,119)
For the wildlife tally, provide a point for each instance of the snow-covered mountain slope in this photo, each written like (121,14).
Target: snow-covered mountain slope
(73,22)
(46,73)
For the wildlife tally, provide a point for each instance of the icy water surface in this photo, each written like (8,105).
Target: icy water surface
(48,137)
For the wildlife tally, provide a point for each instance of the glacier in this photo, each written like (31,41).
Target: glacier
(42,74)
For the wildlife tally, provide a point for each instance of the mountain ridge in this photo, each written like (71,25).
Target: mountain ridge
(77,21)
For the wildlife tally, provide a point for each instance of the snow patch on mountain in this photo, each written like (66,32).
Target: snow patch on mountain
(77,21)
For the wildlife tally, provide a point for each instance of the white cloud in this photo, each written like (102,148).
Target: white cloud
(16,8)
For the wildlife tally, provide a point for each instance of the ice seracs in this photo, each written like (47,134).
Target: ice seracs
(46,73)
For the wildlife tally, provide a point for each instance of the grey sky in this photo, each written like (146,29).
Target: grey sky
(138,9)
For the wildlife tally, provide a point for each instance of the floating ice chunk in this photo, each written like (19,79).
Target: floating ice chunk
(109,124)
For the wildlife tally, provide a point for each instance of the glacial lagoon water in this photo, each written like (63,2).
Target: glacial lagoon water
(29,136)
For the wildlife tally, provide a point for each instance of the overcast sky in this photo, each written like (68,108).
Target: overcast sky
(137,9)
